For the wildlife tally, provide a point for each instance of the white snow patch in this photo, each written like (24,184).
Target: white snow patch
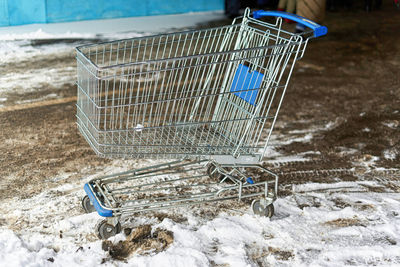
(391,124)
(278,158)
(37,99)
(346,150)
(322,186)
(57,230)
(271,152)
(35,79)
(302,139)
(330,125)
(390,154)
(42,34)
(16,252)
(139,128)
(11,51)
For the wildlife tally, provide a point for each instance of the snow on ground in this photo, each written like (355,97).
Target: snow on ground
(54,74)
(320,224)
(33,80)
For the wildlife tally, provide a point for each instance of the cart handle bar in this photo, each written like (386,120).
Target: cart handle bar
(318,29)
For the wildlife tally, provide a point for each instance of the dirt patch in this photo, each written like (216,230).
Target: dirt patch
(371,133)
(178,218)
(340,203)
(393,186)
(40,144)
(375,188)
(346,222)
(364,207)
(279,254)
(364,141)
(387,240)
(140,241)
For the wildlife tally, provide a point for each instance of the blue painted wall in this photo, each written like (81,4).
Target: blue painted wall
(18,12)
(4,19)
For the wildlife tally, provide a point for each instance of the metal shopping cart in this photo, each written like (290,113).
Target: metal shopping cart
(209,98)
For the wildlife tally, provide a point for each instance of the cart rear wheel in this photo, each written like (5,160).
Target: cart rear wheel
(104,230)
(87,205)
(258,209)
(213,173)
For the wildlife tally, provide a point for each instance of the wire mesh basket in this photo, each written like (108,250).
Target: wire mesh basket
(211,92)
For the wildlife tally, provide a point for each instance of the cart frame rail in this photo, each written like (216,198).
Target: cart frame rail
(233,185)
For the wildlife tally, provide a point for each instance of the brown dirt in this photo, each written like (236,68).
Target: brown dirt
(281,255)
(140,241)
(39,144)
(351,79)
(346,222)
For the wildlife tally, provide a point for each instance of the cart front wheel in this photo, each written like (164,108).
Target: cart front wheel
(105,230)
(87,205)
(259,209)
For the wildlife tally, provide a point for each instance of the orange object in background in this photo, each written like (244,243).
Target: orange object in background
(312,9)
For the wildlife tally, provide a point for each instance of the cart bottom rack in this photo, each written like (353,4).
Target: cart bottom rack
(175,184)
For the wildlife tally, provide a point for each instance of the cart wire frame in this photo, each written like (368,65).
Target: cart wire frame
(210,96)
(109,189)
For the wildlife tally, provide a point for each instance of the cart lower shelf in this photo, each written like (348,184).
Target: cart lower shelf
(175,184)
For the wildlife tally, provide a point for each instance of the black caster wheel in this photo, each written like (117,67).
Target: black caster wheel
(258,209)
(105,230)
(213,173)
(87,205)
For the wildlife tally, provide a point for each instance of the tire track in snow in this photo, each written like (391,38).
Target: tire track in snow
(340,170)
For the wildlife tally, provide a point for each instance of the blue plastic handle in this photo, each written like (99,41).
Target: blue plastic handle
(100,210)
(318,29)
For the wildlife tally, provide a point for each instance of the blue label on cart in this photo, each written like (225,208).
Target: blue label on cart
(249,180)
(246,83)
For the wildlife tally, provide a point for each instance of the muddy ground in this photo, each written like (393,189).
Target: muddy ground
(345,91)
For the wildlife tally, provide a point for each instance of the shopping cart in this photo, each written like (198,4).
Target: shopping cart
(206,97)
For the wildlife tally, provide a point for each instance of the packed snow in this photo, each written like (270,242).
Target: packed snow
(319,224)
